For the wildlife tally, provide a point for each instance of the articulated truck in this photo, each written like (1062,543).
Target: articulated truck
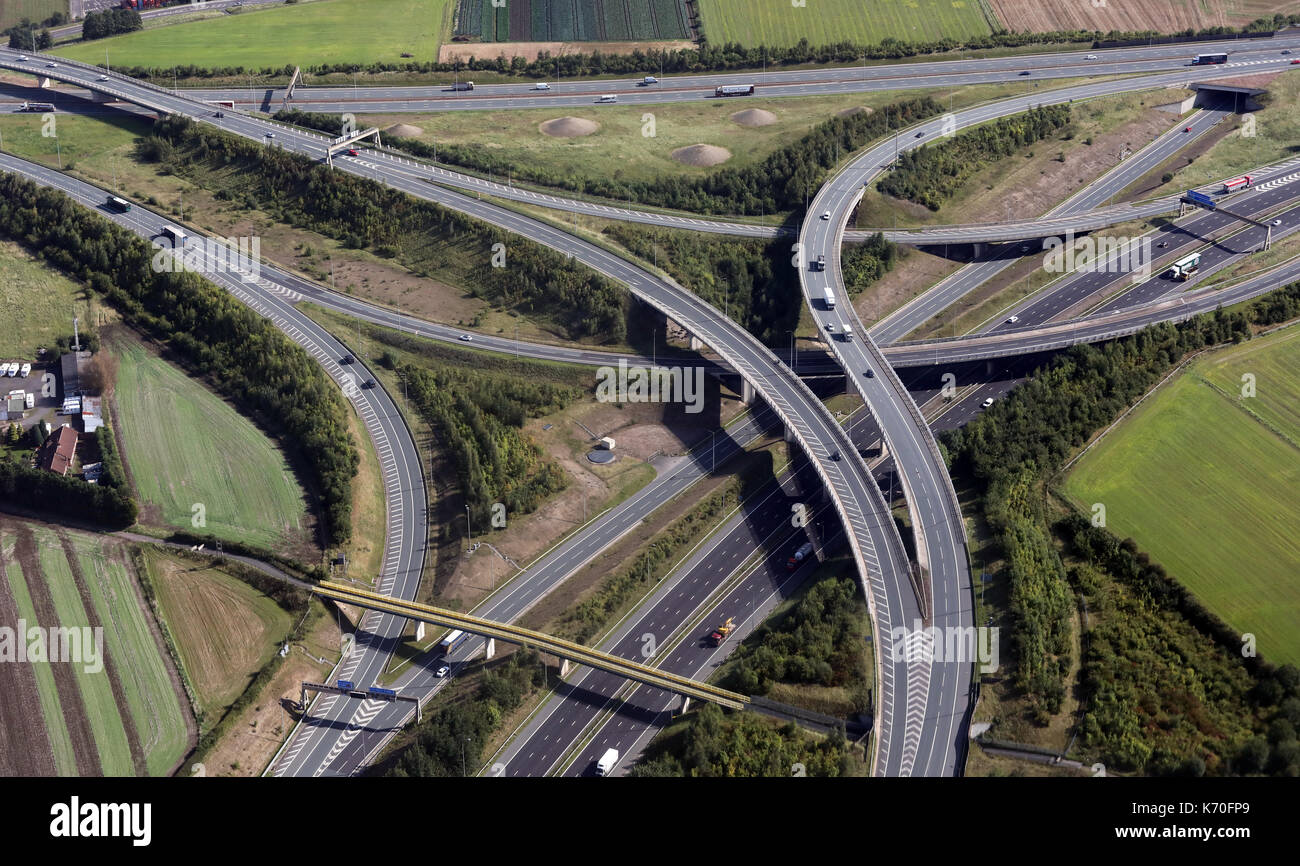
(805,550)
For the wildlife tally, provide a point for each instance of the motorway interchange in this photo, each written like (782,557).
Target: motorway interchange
(922,709)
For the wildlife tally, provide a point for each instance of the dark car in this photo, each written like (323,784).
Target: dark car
(369,383)
(1024,72)
(835,455)
(346,359)
(921,134)
(869,373)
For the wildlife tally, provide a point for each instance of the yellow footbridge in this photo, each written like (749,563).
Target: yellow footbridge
(567,650)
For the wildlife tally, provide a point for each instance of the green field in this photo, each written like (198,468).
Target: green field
(824,22)
(1206,481)
(76,138)
(38,302)
(185,446)
(622,149)
(571,20)
(325,31)
(14,11)
(150,696)
(65,760)
(96,691)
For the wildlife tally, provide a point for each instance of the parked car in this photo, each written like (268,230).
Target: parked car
(25,371)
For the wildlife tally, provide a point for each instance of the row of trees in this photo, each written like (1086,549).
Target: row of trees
(39,490)
(933,173)
(781,182)
(863,264)
(730,56)
(478,416)
(1136,716)
(450,741)
(819,642)
(110,22)
(428,239)
(751,281)
(745,745)
(113,474)
(242,355)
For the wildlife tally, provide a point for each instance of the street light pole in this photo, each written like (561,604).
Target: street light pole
(468,527)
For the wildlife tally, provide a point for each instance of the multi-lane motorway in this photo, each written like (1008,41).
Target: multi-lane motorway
(849,483)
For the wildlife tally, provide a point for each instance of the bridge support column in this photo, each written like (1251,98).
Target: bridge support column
(746,393)
(789,435)
(419,630)
(45,82)
(988,367)
(96,96)
(686,705)
(696,343)
(491,648)
(1268,237)
(564,668)
(978,249)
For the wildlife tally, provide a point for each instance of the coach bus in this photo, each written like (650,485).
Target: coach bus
(120,204)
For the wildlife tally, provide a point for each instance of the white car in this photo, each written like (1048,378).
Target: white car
(467,338)
(442,671)
(1011,320)
(1091,57)
(826,214)
(987,403)
(1277,222)
(270,135)
(102,78)
(52,65)
(24,58)
(541,86)
(25,371)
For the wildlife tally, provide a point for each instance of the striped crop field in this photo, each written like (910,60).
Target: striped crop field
(572,20)
(825,22)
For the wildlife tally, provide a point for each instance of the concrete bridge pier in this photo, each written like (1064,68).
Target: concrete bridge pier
(45,82)
(491,649)
(746,393)
(419,630)
(565,668)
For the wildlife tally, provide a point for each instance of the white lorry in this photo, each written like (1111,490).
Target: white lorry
(607,762)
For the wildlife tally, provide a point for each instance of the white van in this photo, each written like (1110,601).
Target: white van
(541,85)
(608,97)
(607,762)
